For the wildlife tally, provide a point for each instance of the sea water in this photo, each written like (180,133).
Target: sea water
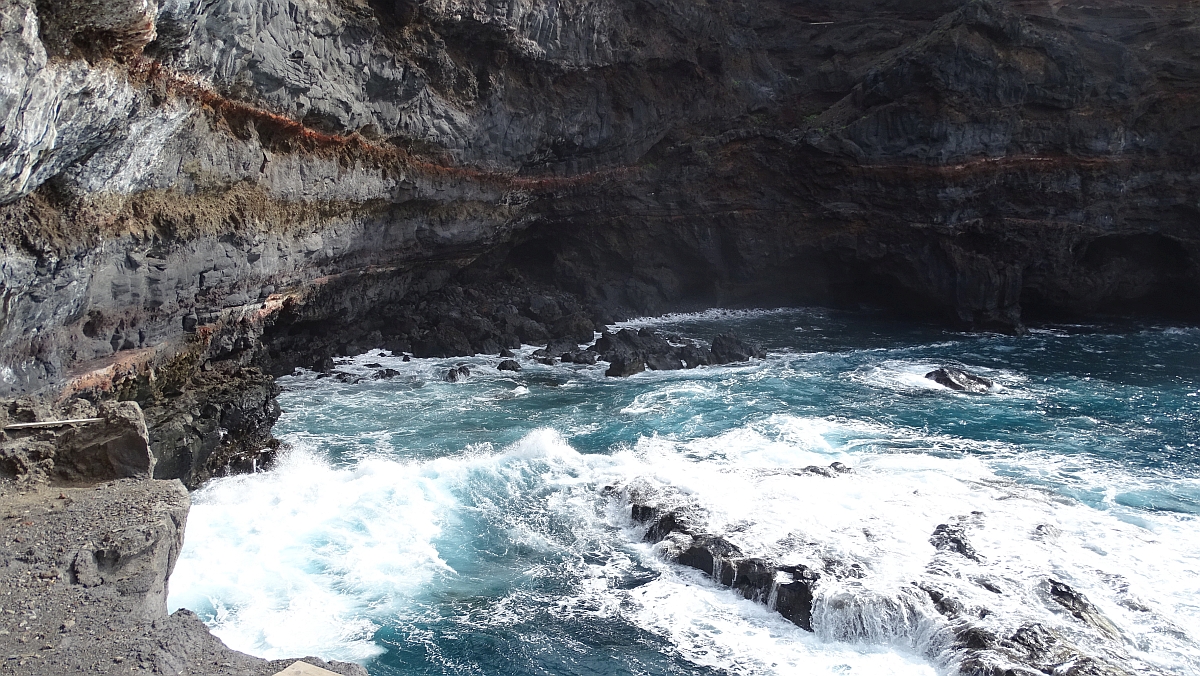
(420,526)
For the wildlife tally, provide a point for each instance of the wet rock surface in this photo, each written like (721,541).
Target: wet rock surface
(959,380)
(788,589)
(629,352)
(1031,649)
(458,374)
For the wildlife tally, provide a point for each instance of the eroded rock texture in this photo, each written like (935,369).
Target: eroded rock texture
(195,195)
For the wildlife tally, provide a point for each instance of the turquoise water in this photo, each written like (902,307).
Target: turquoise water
(482,527)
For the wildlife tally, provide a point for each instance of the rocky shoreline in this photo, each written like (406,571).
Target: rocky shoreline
(198,197)
(88,541)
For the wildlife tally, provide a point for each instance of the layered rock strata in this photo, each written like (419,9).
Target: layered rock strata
(182,177)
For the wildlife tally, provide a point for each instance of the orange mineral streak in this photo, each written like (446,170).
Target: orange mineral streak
(153,73)
(1003,165)
(103,374)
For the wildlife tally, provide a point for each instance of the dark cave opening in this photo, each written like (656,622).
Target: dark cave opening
(1146,275)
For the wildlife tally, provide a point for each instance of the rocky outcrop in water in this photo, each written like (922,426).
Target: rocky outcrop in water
(960,380)
(629,352)
(953,538)
(960,635)
(787,589)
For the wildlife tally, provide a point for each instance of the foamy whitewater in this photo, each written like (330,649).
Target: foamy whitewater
(483,527)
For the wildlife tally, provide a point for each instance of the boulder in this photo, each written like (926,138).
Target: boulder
(561,346)
(709,553)
(794,599)
(544,308)
(578,328)
(630,352)
(728,348)
(753,578)
(695,355)
(830,471)
(509,365)
(663,523)
(960,380)
(1032,649)
(624,365)
(790,588)
(458,373)
(629,348)
(443,341)
(665,362)
(586,357)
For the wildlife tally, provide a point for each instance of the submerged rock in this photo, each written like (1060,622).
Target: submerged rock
(1078,605)
(960,380)
(831,471)
(1032,649)
(457,374)
(952,538)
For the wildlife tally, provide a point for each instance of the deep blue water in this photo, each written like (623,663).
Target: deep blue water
(482,527)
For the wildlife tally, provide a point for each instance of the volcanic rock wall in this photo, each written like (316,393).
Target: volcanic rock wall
(192,192)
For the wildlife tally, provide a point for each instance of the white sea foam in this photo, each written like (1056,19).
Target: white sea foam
(908,376)
(314,558)
(715,315)
(715,627)
(291,560)
(1141,572)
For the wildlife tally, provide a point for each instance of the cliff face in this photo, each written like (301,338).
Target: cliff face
(193,192)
